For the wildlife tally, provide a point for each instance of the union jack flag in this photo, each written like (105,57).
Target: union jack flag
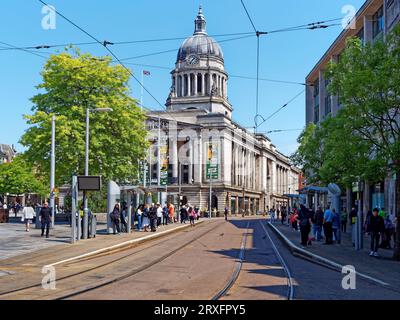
(146,73)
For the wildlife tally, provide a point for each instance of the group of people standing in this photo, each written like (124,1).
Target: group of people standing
(329,225)
(151,217)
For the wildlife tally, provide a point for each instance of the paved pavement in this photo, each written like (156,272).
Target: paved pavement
(383,268)
(16,243)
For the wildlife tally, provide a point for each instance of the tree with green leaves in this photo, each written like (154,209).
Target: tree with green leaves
(18,178)
(73,82)
(362,141)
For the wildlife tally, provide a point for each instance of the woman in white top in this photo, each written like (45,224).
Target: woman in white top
(28,214)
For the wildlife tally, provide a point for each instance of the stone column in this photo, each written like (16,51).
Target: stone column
(203,84)
(174,158)
(191,146)
(196,84)
(189,84)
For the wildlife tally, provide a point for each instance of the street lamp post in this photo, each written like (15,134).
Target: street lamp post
(53,169)
(86,209)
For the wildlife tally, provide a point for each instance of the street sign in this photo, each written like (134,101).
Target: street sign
(89,183)
(164,178)
(212,171)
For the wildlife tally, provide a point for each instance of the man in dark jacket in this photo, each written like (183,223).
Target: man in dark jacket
(376,228)
(305,224)
(153,218)
(45,218)
(318,222)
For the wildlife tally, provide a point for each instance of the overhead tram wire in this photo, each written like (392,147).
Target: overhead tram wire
(104,44)
(45,46)
(24,50)
(280,109)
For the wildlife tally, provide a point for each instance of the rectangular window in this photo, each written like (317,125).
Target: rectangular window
(378,23)
(360,35)
(316,101)
(328,105)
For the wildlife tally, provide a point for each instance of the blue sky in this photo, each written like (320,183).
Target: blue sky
(284,56)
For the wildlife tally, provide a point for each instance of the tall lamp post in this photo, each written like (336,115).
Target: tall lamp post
(86,209)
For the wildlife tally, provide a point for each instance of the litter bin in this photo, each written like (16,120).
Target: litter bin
(4,215)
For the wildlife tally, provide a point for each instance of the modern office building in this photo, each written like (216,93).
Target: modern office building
(373,22)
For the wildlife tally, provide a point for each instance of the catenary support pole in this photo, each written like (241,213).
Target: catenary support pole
(53,170)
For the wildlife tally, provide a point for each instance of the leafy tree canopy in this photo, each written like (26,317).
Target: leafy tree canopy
(71,84)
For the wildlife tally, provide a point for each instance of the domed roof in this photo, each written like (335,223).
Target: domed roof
(200,43)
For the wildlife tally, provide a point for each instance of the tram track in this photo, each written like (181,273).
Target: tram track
(241,261)
(148,245)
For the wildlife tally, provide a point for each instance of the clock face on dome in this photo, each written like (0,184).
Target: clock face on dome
(193,60)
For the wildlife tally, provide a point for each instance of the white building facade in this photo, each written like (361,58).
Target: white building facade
(199,153)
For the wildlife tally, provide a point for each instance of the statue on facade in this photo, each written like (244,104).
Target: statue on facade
(214,90)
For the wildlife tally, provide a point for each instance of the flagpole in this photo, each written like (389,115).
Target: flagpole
(141,91)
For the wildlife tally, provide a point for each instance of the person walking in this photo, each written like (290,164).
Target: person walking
(124,225)
(27,216)
(159,211)
(344,220)
(319,222)
(165,212)
(283,216)
(45,219)
(146,218)
(115,216)
(226,212)
(139,213)
(389,231)
(336,226)
(192,216)
(183,213)
(328,219)
(304,221)
(272,216)
(153,218)
(171,210)
(376,230)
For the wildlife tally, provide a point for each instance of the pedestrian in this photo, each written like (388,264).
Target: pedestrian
(344,220)
(171,210)
(376,230)
(139,213)
(382,213)
(293,220)
(318,224)
(283,217)
(17,207)
(183,213)
(159,211)
(192,216)
(146,218)
(389,231)
(123,214)
(153,218)
(304,221)
(27,215)
(115,216)
(328,219)
(165,213)
(336,226)
(197,209)
(45,219)
(272,216)
(226,212)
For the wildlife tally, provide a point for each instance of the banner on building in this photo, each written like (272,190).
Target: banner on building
(164,162)
(212,164)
